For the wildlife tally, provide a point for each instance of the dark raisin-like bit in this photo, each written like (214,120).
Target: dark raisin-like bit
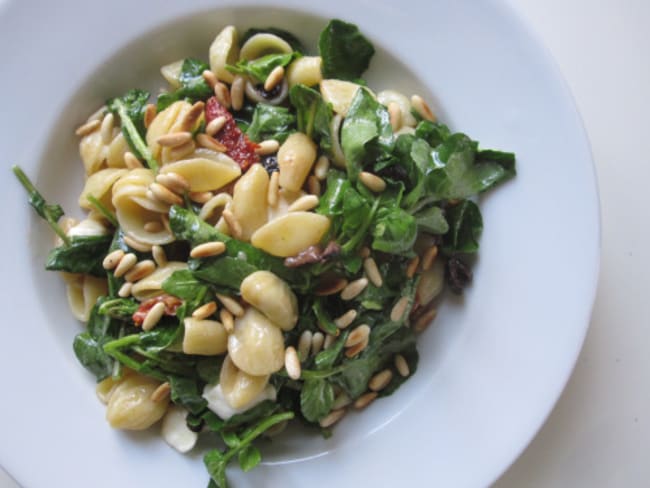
(270,163)
(459,274)
(271,94)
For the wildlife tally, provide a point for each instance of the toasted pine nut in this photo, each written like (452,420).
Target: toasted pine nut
(201,196)
(233,223)
(372,182)
(112,259)
(354,288)
(231,304)
(161,392)
(346,319)
(380,381)
(364,400)
(292,363)
(424,320)
(395,114)
(305,202)
(153,316)
(149,114)
(210,142)
(97,114)
(372,272)
(88,127)
(275,77)
(429,257)
(159,255)
(174,182)
(215,125)
(164,194)
(313,184)
(322,167)
(331,287)
(153,226)
(341,400)
(106,129)
(304,344)
(174,139)
(351,352)
(227,320)
(402,366)
(317,340)
(412,267)
(237,92)
(270,146)
(192,116)
(209,77)
(358,335)
(205,310)
(137,245)
(274,189)
(208,249)
(397,312)
(328,341)
(179,152)
(131,161)
(331,418)
(125,290)
(421,107)
(125,264)
(222,93)
(140,270)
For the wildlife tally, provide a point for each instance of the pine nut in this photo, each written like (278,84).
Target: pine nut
(131,161)
(292,363)
(381,380)
(174,139)
(208,249)
(161,392)
(269,146)
(346,319)
(372,272)
(174,182)
(364,252)
(274,189)
(317,341)
(210,142)
(153,226)
(192,116)
(106,129)
(164,194)
(402,366)
(165,220)
(137,245)
(140,270)
(231,304)
(98,114)
(421,107)
(429,257)
(153,316)
(275,77)
(125,264)
(398,309)
(222,93)
(233,223)
(331,287)
(201,196)
(180,152)
(350,352)
(341,400)
(424,320)
(358,335)
(354,288)
(88,127)
(227,320)
(328,341)
(331,418)
(322,167)
(215,126)
(159,255)
(304,344)
(149,114)
(373,182)
(125,290)
(412,267)
(313,184)
(112,259)
(205,310)
(364,400)
(304,203)
(237,92)
(395,114)
(209,77)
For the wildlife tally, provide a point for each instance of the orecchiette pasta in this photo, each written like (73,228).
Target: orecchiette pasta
(339,94)
(104,147)
(224,50)
(205,170)
(171,72)
(178,117)
(130,406)
(151,285)
(291,233)
(306,71)
(83,293)
(296,157)
(99,185)
(272,296)
(262,44)
(249,202)
(238,387)
(204,337)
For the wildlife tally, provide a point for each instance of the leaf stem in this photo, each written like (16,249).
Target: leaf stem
(140,146)
(108,215)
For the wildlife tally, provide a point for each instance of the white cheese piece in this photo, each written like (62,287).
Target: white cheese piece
(87,227)
(175,430)
(219,405)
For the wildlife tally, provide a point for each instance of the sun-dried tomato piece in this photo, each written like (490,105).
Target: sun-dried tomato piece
(171,305)
(238,146)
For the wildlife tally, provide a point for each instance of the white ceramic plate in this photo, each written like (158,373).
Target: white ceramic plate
(493,365)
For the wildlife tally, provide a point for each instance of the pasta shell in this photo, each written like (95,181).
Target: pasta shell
(224,50)
(305,71)
(262,44)
(291,233)
(249,201)
(99,185)
(172,72)
(151,285)
(296,157)
(204,337)
(240,388)
(130,406)
(272,296)
(205,170)
(339,93)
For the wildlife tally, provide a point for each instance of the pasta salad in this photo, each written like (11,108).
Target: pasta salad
(263,241)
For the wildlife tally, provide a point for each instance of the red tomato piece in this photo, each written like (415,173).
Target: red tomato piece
(171,305)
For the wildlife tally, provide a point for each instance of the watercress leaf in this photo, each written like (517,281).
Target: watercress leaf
(434,133)
(432,220)
(260,68)
(119,308)
(230,439)
(209,368)
(395,231)
(224,271)
(313,115)
(316,399)
(331,202)
(329,357)
(249,457)
(183,284)
(270,122)
(465,228)
(346,53)
(356,211)
(292,40)
(325,322)
(258,412)
(185,392)
(504,159)
(215,462)
(91,355)
(168,331)
(84,254)
(193,85)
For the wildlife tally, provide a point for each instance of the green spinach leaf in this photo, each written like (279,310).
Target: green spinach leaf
(314,116)
(85,254)
(193,86)
(270,122)
(345,51)
(259,69)
(465,228)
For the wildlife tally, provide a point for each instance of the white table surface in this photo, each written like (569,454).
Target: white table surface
(599,433)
